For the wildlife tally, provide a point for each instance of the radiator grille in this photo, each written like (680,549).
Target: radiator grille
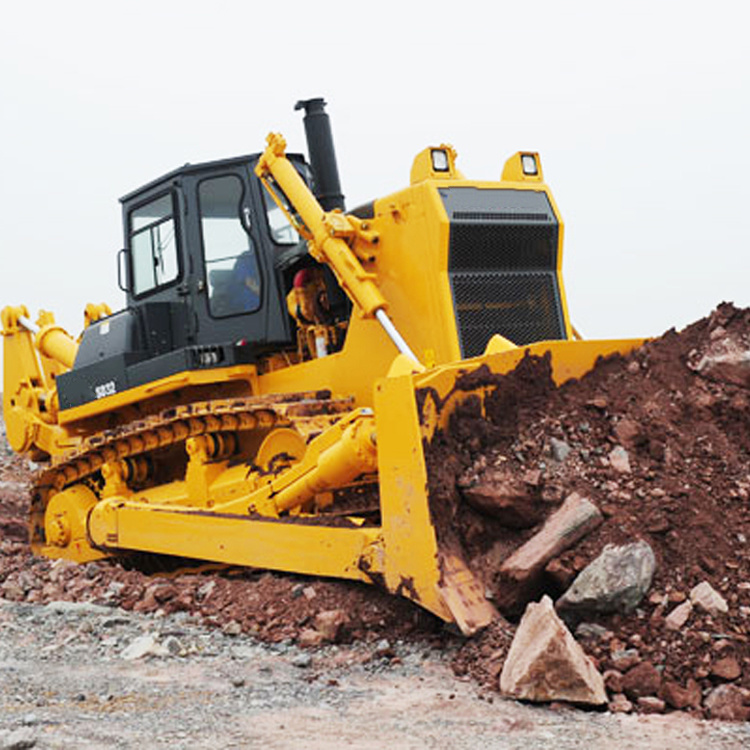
(479,247)
(502,266)
(523,307)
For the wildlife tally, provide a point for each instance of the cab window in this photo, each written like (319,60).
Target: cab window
(153,245)
(282,232)
(230,257)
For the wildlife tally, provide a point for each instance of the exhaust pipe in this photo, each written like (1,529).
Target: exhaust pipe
(322,154)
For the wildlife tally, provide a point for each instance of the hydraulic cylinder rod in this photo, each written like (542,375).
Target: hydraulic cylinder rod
(324,234)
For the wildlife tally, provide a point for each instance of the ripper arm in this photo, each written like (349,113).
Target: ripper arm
(34,356)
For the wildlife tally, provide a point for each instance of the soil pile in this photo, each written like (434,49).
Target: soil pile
(658,441)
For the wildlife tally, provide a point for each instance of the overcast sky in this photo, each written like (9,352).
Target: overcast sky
(640,110)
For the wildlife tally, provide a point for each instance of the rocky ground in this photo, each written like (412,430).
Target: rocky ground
(656,443)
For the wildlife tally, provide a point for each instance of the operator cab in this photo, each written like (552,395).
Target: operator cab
(208,261)
(207,238)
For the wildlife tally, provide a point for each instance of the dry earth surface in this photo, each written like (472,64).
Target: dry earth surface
(100,656)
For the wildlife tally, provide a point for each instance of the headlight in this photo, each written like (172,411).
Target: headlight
(528,164)
(440,162)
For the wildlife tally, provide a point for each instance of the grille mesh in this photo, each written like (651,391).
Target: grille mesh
(498,216)
(480,247)
(523,307)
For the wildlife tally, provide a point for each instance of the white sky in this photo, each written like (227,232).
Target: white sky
(640,110)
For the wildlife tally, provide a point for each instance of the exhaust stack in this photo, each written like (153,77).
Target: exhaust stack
(322,154)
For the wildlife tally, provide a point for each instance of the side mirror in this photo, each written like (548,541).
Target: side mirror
(122,271)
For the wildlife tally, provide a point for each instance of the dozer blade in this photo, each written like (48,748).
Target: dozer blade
(423,557)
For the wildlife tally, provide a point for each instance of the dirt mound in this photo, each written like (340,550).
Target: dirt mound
(658,441)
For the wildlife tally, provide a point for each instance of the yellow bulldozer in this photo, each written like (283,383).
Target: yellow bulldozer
(260,399)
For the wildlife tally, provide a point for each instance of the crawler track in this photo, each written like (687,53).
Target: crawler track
(308,412)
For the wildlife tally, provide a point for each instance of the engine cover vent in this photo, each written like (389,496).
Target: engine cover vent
(502,267)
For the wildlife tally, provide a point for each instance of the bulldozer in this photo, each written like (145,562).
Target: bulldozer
(259,401)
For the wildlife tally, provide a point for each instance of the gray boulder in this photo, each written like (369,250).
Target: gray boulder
(616,581)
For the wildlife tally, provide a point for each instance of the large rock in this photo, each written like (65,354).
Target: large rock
(518,574)
(616,581)
(545,662)
(503,494)
(726,360)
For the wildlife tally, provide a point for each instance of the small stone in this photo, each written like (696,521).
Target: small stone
(309,592)
(310,638)
(232,628)
(678,616)
(599,402)
(620,704)
(145,645)
(656,598)
(12,591)
(205,591)
(19,739)
(613,681)
(238,682)
(592,631)
(533,478)
(649,704)
(619,460)
(727,669)
(174,646)
(728,702)
(559,572)
(680,697)
(625,659)
(330,623)
(627,432)
(302,661)
(643,679)
(706,598)
(165,592)
(560,449)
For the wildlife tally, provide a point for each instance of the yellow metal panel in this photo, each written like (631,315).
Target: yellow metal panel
(235,539)
(163,385)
